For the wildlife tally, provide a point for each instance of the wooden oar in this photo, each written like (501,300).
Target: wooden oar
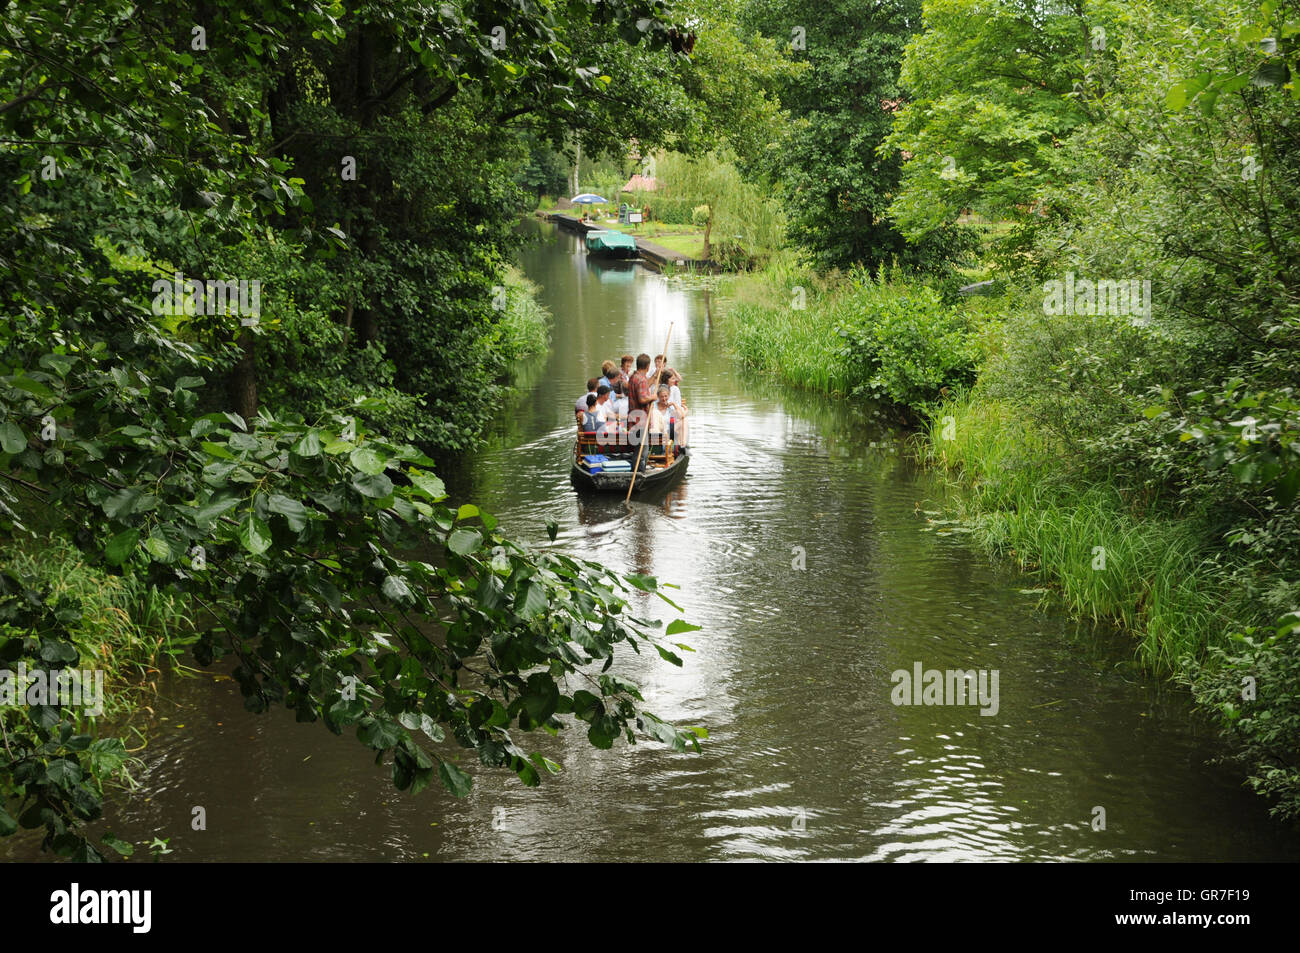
(645,434)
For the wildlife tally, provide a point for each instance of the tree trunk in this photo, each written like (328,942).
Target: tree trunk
(242,383)
(347,321)
(577,160)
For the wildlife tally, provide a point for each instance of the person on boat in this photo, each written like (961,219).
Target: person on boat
(639,400)
(672,379)
(618,405)
(603,409)
(663,420)
(593,418)
(608,374)
(580,406)
(625,368)
(679,406)
(660,361)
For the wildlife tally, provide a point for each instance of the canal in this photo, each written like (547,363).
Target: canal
(813,553)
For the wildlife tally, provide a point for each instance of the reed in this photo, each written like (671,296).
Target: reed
(1148,574)
(125,627)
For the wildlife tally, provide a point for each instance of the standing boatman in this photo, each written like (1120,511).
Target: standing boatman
(639,399)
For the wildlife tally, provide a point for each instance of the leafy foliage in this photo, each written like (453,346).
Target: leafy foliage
(321,554)
(914,348)
(835,181)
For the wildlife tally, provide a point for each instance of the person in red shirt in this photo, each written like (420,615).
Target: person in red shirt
(639,399)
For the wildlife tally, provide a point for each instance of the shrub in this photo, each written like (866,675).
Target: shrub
(1250,685)
(915,348)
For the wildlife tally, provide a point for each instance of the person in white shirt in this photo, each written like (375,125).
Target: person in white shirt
(663,418)
(675,399)
(618,403)
(602,409)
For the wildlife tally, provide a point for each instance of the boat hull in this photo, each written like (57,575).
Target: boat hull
(614,254)
(649,482)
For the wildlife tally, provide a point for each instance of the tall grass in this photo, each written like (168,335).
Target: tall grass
(126,628)
(524,328)
(1147,574)
(782,320)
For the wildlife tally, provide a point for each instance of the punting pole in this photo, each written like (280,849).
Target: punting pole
(645,434)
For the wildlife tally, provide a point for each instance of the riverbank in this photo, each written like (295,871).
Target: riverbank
(660,256)
(116,636)
(1149,557)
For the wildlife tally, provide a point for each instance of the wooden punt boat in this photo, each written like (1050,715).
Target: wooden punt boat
(604,243)
(591,477)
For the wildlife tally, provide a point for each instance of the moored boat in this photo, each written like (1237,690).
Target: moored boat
(603,243)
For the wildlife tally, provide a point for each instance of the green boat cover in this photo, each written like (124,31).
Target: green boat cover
(609,241)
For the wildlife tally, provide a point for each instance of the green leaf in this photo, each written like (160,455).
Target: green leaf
(464,541)
(544,763)
(454,779)
(668,656)
(396,590)
(376,486)
(204,515)
(1183,93)
(293,511)
(158,548)
(125,848)
(63,772)
(540,697)
(217,450)
(466,511)
(379,733)
(603,731)
(7,824)
(367,461)
(534,602)
(1271,73)
(123,503)
(680,625)
(11,438)
(121,546)
(428,484)
(308,445)
(254,535)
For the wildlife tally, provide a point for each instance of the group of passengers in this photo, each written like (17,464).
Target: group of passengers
(619,401)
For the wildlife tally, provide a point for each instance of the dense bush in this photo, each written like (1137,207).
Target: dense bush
(914,348)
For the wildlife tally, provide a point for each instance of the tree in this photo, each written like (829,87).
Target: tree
(836,182)
(994,88)
(294,536)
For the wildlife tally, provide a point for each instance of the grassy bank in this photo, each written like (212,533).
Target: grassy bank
(1059,464)
(1149,572)
(904,343)
(115,629)
(895,340)
(524,329)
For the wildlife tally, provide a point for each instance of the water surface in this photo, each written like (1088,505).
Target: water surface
(807,758)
